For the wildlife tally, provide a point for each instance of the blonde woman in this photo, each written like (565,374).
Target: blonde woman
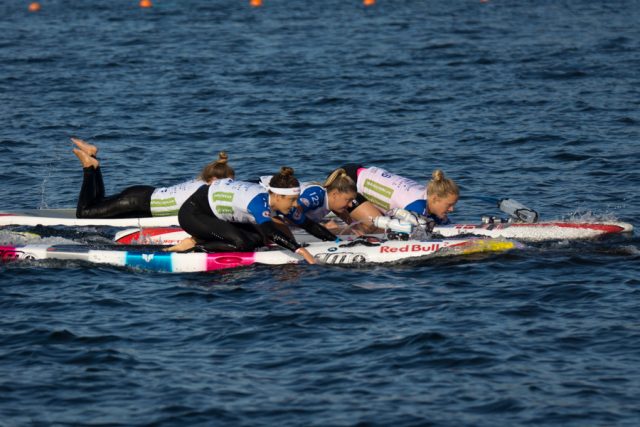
(380,191)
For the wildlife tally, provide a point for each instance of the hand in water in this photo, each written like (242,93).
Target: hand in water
(306,255)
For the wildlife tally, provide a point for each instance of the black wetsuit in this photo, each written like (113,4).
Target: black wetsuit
(132,202)
(216,235)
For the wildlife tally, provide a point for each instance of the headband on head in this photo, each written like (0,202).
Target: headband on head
(291,191)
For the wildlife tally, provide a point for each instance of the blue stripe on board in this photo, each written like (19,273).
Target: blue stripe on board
(150,261)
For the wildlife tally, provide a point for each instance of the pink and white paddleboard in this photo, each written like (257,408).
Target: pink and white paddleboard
(526,232)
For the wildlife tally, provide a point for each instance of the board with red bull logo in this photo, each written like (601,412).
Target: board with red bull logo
(360,251)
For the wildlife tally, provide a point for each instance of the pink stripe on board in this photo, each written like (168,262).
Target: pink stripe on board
(8,253)
(219,261)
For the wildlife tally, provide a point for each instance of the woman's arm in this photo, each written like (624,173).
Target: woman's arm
(272,232)
(318,230)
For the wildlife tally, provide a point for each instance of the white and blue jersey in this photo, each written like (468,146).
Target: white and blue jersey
(313,204)
(239,201)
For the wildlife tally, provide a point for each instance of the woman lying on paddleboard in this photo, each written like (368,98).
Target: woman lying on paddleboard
(317,200)
(380,191)
(237,216)
(138,201)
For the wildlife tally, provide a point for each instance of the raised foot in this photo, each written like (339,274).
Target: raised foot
(86,160)
(90,149)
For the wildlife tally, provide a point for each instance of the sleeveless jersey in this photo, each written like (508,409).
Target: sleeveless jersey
(313,204)
(388,191)
(166,201)
(239,201)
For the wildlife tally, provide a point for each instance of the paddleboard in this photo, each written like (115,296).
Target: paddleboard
(67,217)
(164,230)
(358,251)
(527,232)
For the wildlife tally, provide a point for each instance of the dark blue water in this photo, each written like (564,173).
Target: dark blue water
(538,101)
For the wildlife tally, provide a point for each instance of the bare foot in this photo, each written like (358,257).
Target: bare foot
(90,149)
(184,245)
(86,160)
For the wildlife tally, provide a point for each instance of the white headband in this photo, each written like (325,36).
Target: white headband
(293,191)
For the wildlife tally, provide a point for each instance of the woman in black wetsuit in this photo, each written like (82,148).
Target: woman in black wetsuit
(138,201)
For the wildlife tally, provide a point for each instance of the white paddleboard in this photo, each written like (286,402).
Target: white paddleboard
(67,217)
(358,251)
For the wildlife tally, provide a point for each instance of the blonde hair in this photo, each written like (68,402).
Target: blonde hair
(284,179)
(441,186)
(340,182)
(218,169)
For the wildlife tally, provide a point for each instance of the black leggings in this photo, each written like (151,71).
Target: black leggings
(132,202)
(212,233)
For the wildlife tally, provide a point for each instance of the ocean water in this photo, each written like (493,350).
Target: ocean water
(538,101)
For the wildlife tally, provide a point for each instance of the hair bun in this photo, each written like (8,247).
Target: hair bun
(286,171)
(437,175)
(222,157)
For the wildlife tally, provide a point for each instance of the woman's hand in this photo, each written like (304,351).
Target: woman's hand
(306,255)
(184,245)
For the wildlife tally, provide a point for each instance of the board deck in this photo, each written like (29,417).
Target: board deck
(67,217)
(357,251)
(542,231)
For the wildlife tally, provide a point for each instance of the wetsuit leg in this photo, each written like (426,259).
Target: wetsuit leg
(133,202)
(212,233)
(99,183)
(92,189)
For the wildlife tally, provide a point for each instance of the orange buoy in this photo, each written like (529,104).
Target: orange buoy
(256,3)
(145,3)
(34,7)
(368,2)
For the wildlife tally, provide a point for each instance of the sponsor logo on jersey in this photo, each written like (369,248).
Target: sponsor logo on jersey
(163,203)
(222,196)
(378,188)
(305,202)
(224,210)
(378,202)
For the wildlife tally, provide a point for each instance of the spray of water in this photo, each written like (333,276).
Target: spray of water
(47,175)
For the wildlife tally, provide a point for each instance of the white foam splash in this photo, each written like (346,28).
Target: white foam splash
(20,238)
(581,215)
